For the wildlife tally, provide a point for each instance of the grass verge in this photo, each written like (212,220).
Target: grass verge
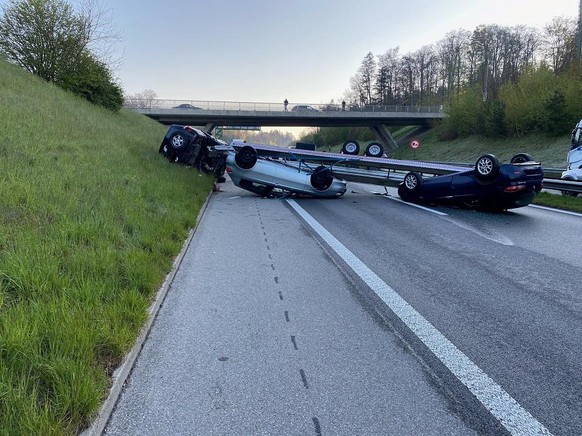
(91,217)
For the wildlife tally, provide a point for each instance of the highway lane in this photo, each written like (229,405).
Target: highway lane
(263,334)
(504,288)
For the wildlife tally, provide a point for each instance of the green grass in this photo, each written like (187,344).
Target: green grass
(550,151)
(557,201)
(91,217)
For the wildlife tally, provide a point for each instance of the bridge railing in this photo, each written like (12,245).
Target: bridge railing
(193,105)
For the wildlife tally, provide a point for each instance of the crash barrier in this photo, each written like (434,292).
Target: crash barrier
(563,185)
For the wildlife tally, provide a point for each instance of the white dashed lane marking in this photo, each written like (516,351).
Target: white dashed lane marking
(496,400)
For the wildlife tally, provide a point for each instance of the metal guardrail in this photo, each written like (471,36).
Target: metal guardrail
(563,185)
(194,105)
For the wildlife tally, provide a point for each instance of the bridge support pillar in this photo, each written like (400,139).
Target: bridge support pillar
(209,127)
(384,136)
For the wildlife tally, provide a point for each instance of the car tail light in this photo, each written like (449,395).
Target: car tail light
(514,188)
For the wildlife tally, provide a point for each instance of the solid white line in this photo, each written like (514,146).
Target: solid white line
(551,209)
(436,212)
(500,404)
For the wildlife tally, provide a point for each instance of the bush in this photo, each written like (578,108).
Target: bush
(556,120)
(330,136)
(92,80)
(465,114)
(494,126)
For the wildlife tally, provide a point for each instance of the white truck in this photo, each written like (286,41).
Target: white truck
(574,171)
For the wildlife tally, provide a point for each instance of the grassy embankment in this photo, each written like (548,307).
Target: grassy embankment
(91,217)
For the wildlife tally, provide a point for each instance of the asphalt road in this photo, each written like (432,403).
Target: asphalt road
(365,315)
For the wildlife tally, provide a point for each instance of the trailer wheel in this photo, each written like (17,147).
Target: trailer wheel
(374,149)
(351,147)
(246,157)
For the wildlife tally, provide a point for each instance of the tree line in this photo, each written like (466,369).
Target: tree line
(495,80)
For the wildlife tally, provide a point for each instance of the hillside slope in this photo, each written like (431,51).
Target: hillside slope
(550,151)
(91,217)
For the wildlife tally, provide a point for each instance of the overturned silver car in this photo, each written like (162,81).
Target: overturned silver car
(262,175)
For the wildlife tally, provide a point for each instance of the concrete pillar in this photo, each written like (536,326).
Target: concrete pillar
(384,136)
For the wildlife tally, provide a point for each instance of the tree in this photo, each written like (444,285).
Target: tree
(385,91)
(47,38)
(408,79)
(426,62)
(141,100)
(559,43)
(556,120)
(363,82)
(452,54)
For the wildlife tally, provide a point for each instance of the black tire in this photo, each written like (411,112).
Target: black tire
(351,147)
(521,158)
(321,178)
(409,189)
(246,157)
(179,141)
(375,149)
(487,168)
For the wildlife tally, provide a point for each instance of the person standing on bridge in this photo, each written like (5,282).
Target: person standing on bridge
(285,103)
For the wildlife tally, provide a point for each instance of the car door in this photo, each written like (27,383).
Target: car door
(464,184)
(290,177)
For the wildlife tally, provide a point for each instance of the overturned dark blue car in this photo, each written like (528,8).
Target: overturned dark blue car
(488,185)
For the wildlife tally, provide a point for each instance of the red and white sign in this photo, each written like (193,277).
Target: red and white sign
(414,144)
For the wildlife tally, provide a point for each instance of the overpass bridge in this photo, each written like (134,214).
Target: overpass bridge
(211,114)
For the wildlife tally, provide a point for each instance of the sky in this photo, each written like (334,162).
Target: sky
(302,50)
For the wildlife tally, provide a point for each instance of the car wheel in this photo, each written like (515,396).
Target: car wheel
(521,158)
(487,168)
(178,140)
(374,149)
(351,147)
(410,187)
(321,178)
(246,157)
